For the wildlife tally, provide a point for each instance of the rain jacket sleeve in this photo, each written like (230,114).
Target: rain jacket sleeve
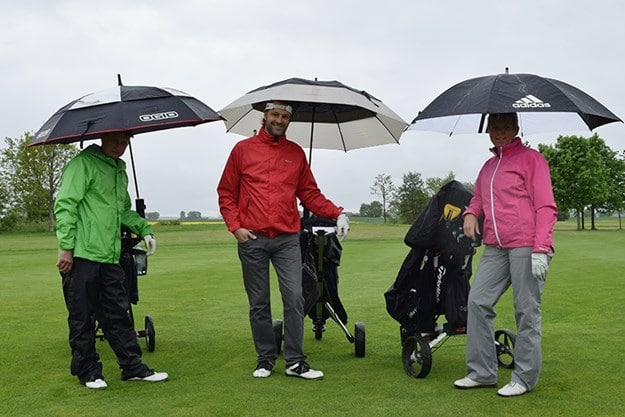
(476,205)
(69,197)
(541,193)
(228,191)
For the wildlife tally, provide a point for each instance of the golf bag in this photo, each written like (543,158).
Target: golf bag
(324,270)
(434,277)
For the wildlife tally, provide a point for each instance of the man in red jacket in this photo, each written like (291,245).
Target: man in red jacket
(258,191)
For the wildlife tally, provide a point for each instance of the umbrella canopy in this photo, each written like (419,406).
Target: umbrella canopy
(543,105)
(132,109)
(326,114)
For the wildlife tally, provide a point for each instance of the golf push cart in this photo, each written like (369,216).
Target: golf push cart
(321,254)
(134,262)
(433,281)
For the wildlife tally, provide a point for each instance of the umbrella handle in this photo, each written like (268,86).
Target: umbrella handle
(139,202)
(134,173)
(140,207)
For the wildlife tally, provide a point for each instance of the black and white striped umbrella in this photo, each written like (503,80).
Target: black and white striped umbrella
(132,109)
(542,104)
(326,114)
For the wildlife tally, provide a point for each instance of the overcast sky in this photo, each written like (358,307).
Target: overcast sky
(403,52)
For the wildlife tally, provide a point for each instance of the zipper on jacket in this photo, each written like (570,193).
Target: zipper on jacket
(492,197)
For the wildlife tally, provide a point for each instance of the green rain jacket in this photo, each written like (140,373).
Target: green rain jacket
(92,204)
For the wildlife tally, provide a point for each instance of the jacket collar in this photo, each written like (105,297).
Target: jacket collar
(265,137)
(96,150)
(515,144)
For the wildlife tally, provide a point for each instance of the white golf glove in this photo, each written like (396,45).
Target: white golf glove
(150,244)
(342,226)
(540,264)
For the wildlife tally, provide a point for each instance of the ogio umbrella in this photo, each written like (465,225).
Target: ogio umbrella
(132,109)
(326,115)
(543,105)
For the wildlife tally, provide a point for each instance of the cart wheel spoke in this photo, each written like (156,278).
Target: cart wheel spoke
(504,343)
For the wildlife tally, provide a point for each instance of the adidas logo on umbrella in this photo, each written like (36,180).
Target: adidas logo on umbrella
(529,101)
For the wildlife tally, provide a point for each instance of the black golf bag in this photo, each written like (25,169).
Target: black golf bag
(434,277)
(324,270)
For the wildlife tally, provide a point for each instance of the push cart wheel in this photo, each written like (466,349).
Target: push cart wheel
(359,339)
(416,356)
(277,334)
(150,333)
(319,326)
(504,342)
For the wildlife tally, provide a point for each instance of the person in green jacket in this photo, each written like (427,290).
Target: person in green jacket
(91,206)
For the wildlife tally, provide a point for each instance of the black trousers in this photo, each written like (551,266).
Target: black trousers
(96,291)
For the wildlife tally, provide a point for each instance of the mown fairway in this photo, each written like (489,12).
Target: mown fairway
(194,292)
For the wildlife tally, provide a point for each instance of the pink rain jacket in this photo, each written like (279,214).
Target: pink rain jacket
(260,183)
(513,195)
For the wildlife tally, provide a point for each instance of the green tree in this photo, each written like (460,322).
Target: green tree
(579,173)
(383,187)
(7,216)
(194,215)
(616,189)
(33,176)
(411,197)
(434,184)
(153,215)
(371,210)
(614,178)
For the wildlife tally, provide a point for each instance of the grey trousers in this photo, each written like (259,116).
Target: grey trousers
(284,253)
(498,269)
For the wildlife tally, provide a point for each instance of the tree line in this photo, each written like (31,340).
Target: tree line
(588,179)
(403,203)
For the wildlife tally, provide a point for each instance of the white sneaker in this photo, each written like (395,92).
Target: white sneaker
(149,376)
(98,383)
(512,390)
(302,370)
(263,370)
(468,383)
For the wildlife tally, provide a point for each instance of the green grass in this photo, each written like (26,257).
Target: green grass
(195,294)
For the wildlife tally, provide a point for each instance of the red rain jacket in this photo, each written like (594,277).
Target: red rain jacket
(260,183)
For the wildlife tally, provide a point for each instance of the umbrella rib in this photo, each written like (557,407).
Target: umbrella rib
(338,125)
(387,129)
(239,119)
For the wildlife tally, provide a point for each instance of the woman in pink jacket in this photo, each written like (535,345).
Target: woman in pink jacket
(514,197)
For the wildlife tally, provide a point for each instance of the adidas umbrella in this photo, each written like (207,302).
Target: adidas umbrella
(326,115)
(543,105)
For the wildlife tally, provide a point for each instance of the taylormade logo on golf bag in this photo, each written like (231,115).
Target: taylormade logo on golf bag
(529,101)
(158,116)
